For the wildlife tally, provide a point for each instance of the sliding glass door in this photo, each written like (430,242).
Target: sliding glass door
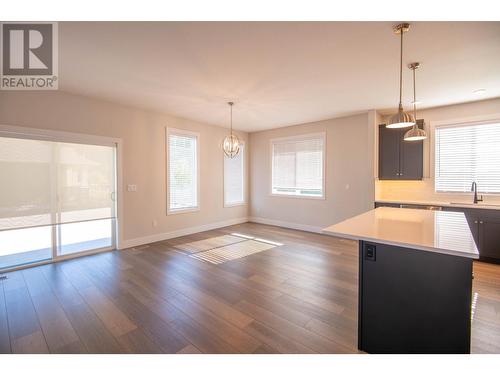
(56,199)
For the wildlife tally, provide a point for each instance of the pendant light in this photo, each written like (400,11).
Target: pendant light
(231,144)
(401,119)
(415,133)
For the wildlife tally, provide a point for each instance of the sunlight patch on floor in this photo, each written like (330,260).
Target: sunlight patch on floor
(209,243)
(238,250)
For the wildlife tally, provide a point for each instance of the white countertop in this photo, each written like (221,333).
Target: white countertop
(458,204)
(444,232)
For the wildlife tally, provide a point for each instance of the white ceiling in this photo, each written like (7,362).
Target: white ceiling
(278,73)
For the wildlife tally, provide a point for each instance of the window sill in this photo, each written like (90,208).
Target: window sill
(182,211)
(228,205)
(297,196)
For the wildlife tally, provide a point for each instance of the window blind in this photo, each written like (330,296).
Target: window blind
(234,178)
(467,153)
(297,166)
(183,171)
(48,182)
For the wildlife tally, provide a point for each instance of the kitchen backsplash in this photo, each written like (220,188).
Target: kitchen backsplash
(422,191)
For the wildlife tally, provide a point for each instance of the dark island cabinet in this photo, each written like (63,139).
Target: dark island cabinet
(399,159)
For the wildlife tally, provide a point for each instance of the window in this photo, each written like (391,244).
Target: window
(183,177)
(234,179)
(298,165)
(467,153)
(57,198)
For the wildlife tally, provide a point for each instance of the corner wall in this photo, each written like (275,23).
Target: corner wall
(349,177)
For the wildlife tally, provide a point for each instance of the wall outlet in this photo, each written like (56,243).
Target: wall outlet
(132,187)
(155,223)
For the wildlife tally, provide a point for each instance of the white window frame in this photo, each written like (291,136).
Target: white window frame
(297,138)
(244,172)
(182,132)
(464,121)
(22,132)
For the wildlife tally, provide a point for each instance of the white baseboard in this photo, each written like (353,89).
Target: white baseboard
(285,224)
(125,244)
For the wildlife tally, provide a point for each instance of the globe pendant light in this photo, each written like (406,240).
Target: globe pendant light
(401,119)
(415,133)
(231,144)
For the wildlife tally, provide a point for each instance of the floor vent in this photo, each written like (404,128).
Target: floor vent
(3,277)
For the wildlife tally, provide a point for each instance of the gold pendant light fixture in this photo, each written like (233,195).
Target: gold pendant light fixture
(415,133)
(231,144)
(401,119)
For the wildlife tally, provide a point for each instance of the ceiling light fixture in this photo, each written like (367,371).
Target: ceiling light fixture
(401,119)
(231,144)
(415,133)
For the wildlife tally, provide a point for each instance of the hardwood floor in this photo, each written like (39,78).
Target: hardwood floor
(300,297)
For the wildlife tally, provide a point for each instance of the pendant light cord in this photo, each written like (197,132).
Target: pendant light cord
(414,96)
(231,121)
(401,70)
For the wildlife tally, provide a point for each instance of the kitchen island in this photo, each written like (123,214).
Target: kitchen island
(415,279)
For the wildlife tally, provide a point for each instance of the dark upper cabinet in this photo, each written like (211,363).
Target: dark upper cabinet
(399,159)
(388,153)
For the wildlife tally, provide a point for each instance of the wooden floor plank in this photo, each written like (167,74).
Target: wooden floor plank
(137,342)
(76,347)
(112,317)
(57,329)
(295,333)
(33,343)
(276,340)
(202,338)
(162,333)
(235,337)
(24,328)
(190,349)
(92,332)
(60,285)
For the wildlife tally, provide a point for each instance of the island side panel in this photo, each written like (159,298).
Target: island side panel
(413,301)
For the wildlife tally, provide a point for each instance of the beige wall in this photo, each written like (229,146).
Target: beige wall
(351,163)
(424,190)
(143,161)
(349,178)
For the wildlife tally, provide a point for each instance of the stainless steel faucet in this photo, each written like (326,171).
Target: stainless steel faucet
(474,189)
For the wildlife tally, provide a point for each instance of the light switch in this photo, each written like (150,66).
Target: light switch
(132,188)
